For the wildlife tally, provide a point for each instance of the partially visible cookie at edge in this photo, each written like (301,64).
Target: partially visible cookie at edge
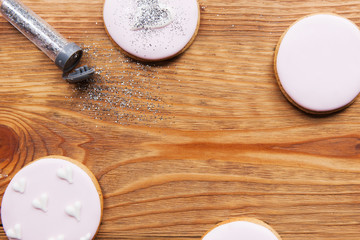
(242,228)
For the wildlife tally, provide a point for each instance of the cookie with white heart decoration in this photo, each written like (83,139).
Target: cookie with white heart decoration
(50,199)
(242,228)
(152,30)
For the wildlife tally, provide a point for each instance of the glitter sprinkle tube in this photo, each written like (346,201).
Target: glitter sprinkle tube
(65,54)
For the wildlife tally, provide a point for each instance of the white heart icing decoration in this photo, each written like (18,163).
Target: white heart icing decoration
(14,232)
(74,210)
(60,237)
(86,237)
(20,185)
(65,173)
(150,15)
(41,202)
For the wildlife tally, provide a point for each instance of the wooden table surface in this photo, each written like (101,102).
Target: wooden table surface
(182,145)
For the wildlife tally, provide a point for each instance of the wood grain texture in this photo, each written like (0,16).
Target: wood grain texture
(182,145)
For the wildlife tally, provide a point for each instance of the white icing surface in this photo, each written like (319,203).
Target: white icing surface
(40,212)
(65,173)
(60,237)
(132,26)
(240,230)
(41,202)
(86,237)
(318,62)
(74,210)
(20,185)
(14,232)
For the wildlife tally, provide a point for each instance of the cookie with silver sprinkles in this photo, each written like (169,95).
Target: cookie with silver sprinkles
(152,30)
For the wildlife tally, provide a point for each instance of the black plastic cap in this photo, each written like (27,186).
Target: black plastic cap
(69,57)
(80,74)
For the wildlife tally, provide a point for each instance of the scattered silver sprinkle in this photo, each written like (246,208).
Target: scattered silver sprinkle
(122,91)
(3,176)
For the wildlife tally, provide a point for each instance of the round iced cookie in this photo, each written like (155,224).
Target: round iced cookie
(242,228)
(317,63)
(152,30)
(53,198)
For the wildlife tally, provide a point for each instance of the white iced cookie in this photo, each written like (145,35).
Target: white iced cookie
(317,63)
(152,30)
(53,198)
(242,228)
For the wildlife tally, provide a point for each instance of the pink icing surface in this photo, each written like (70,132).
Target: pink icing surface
(240,230)
(41,177)
(152,44)
(318,62)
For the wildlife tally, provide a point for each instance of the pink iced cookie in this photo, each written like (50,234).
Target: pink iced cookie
(246,228)
(317,63)
(152,30)
(53,198)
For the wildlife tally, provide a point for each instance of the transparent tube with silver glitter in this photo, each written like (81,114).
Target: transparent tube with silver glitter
(65,54)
